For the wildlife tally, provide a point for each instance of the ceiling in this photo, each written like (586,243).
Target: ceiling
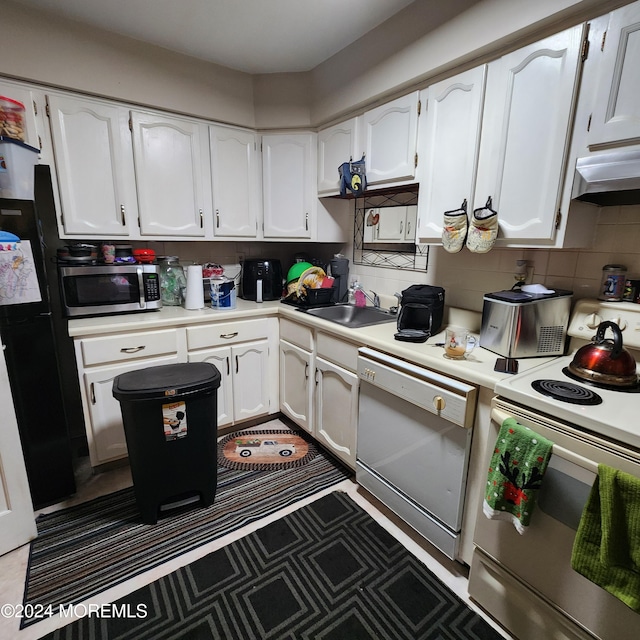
(255,36)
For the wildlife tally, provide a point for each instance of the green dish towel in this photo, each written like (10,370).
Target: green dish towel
(517,466)
(607,545)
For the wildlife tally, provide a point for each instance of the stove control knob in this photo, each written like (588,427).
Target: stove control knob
(593,320)
(621,322)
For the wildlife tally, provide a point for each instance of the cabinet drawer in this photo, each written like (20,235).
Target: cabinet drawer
(128,346)
(297,334)
(337,351)
(223,333)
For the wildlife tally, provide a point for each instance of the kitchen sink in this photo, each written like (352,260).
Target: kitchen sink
(350,316)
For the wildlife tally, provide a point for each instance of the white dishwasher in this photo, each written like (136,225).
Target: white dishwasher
(414,438)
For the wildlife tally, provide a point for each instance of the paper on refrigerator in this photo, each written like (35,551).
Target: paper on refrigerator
(18,277)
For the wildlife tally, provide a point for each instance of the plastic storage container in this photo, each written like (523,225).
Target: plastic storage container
(17,169)
(12,119)
(169,415)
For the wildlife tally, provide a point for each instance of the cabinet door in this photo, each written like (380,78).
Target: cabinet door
(336,415)
(448,148)
(105,431)
(391,224)
(616,114)
(235,182)
(250,372)
(220,357)
(295,387)
(390,137)
(336,145)
(288,171)
(525,133)
(94,160)
(170,157)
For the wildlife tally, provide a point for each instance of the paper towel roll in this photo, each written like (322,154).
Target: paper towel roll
(194,297)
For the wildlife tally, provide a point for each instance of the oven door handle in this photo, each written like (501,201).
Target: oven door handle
(498,416)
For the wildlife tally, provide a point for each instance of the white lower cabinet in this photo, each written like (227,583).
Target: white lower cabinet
(336,409)
(319,387)
(296,385)
(244,388)
(103,417)
(244,351)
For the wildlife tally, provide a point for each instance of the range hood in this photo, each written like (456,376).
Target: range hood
(608,178)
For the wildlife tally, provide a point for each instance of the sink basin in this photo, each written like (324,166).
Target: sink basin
(350,316)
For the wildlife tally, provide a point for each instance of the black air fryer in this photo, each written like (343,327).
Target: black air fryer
(261,279)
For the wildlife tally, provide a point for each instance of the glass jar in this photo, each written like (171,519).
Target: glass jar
(612,284)
(172,280)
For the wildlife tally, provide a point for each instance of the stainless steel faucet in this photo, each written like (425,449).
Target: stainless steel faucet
(375,301)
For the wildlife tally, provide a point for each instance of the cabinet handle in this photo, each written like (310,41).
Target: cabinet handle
(228,366)
(237,364)
(400,227)
(201,218)
(132,349)
(408,227)
(92,393)
(306,371)
(122,216)
(217,218)
(306,221)
(228,336)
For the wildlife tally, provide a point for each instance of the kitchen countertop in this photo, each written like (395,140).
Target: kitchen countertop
(477,368)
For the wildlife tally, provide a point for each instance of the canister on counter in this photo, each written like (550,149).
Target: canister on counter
(613,280)
(631,291)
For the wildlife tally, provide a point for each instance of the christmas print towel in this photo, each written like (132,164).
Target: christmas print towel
(517,466)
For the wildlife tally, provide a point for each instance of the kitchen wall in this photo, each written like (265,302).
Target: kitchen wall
(467,276)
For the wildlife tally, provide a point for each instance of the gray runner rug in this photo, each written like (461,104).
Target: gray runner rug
(327,571)
(83,550)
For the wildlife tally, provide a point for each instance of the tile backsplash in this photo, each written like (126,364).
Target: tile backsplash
(465,276)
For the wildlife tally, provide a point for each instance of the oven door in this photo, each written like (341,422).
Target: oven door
(526,581)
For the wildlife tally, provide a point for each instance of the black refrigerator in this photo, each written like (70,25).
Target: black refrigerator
(33,339)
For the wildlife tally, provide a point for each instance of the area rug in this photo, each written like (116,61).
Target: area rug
(265,450)
(326,571)
(88,548)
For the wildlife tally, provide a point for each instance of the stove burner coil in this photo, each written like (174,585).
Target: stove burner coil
(566,392)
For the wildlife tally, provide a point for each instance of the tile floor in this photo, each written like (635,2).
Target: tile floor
(13,565)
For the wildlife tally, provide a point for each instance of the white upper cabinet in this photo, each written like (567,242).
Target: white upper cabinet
(235,182)
(336,145)
(289,184)
(615,118)
(389,137)
(529,102)
(171,161)
(94,163)
(448,145)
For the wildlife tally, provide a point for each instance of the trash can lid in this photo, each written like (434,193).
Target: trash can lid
(166,381)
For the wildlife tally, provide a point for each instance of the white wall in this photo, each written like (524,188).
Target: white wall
(54,52)
(401,53)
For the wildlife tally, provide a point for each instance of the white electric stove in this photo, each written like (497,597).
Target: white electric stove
(548,388)
(527,582)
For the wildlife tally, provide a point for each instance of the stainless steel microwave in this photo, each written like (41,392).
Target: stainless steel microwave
(109,289)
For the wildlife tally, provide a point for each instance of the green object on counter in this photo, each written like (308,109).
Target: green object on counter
(297,270)
(172,281)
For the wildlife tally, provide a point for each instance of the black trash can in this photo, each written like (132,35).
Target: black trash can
(170,423)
